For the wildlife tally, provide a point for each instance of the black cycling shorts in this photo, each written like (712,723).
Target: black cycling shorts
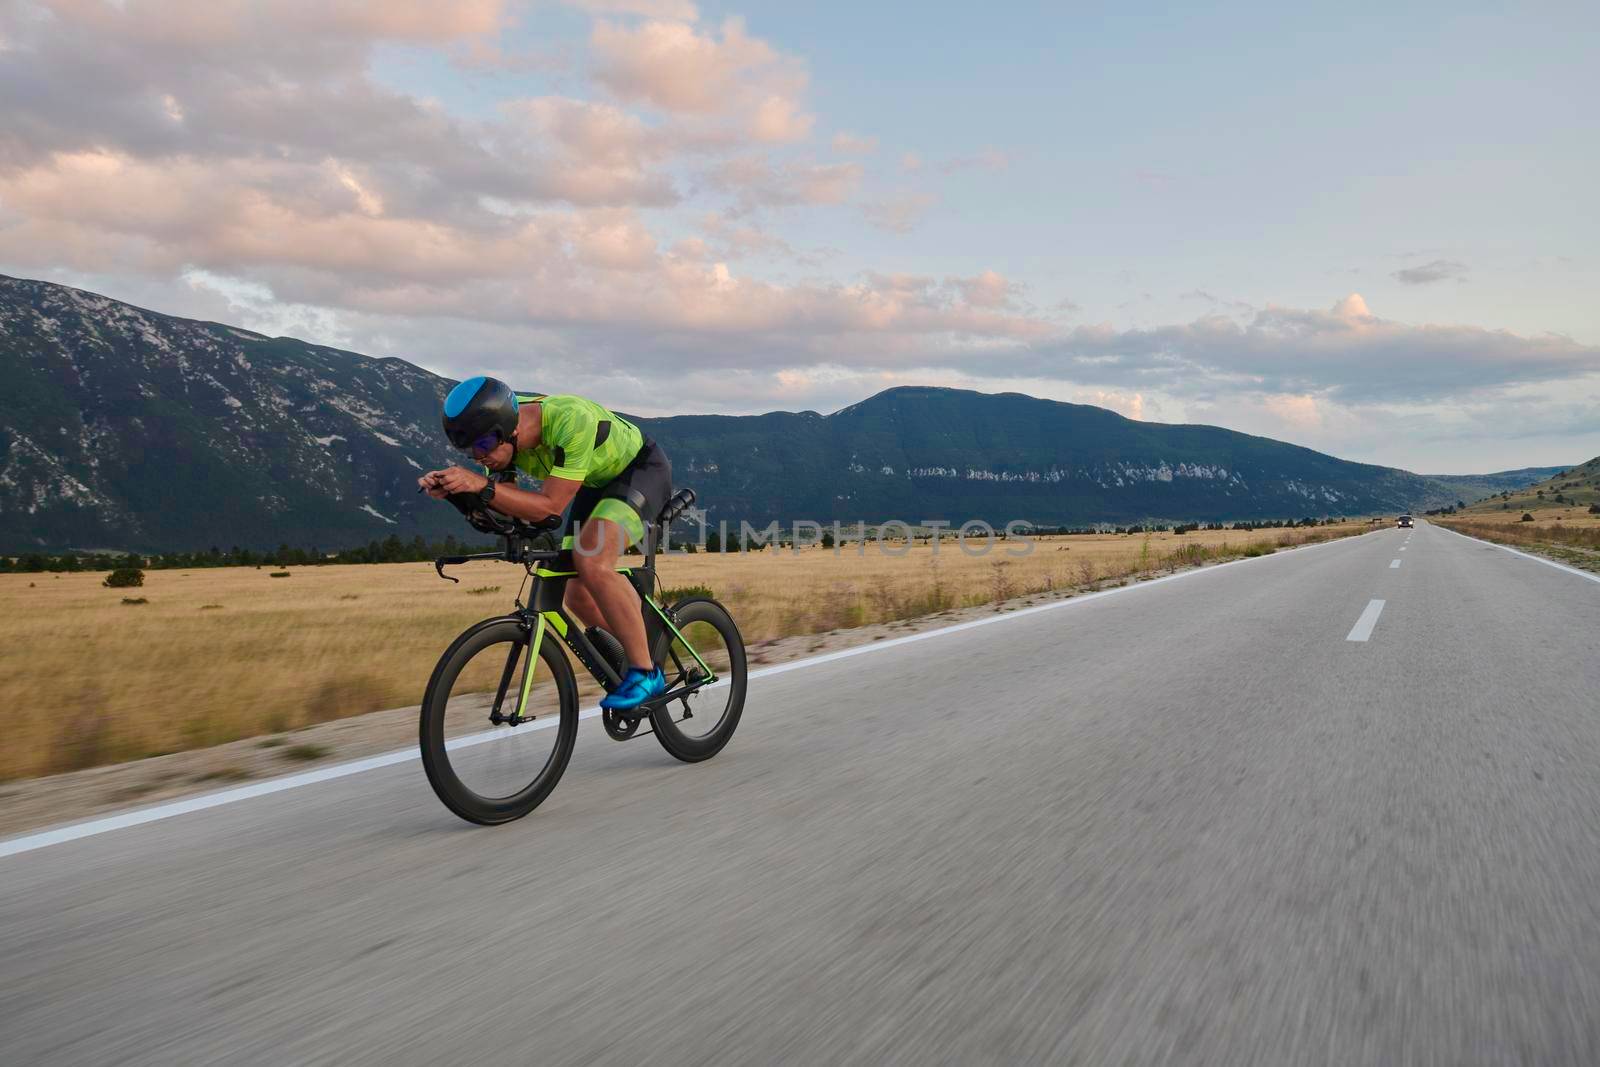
(632,499)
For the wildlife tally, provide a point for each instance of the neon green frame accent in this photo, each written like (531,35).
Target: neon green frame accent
(557,623)
(533,663)
(711,675)
(542,573)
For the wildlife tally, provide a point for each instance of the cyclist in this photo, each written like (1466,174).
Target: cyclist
(615,479)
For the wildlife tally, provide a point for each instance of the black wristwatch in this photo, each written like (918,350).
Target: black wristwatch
(486,494)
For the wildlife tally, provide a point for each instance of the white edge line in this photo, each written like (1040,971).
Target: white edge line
(1393,563)
(138,817)
(1527,555)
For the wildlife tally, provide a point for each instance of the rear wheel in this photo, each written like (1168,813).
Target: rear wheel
(697,726)
(491,755)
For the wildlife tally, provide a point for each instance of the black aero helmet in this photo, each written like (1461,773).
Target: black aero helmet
(480,409)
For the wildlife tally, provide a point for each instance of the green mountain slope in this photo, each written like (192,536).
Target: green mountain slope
(1471,487)
(1566,487)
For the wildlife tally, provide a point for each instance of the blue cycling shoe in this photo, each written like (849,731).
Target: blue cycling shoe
(636,687)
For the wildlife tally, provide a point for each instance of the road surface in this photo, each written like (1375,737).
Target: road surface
(1319,807)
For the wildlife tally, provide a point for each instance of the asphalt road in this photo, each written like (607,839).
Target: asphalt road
(1195,822)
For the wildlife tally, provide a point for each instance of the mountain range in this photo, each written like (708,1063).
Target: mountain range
(122,428)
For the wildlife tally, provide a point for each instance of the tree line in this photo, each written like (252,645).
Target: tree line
(390,550)
(394,550)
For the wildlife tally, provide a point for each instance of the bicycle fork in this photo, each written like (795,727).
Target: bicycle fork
(516,718)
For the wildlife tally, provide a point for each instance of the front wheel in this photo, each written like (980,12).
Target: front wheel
(498,724)
(697,726)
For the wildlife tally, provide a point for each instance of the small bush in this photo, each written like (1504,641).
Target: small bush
(349,596)
(1525,517)
(210,607)
(135,600)
(305,753)
(124,578)
(670,596)
(278,574)
(483,590)
(1594,509)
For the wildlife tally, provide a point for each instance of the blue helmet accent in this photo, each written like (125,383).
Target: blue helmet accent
(462,395)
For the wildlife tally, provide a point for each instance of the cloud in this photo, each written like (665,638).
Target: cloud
(755,181)
(676,68)
(680,10)
(1301,411)
(738,240)
(850,144)
(242,162)
(900,212)
(987,290)
(1346,354)
(991,159)
(1438,270)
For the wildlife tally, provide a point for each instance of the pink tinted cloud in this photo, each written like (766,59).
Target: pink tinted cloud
(756,181)
(678,69)
(680,10)
(900,212)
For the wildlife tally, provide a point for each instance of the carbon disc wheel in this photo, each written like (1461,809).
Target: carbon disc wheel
(498,725)
(697,726)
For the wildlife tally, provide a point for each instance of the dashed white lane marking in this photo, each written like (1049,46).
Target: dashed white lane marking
(1369,618)
(139,817)
(1393,563)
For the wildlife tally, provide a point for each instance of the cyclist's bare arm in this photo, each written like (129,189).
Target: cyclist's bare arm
(551,499)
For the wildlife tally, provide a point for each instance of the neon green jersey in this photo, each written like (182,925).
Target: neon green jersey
(579,440)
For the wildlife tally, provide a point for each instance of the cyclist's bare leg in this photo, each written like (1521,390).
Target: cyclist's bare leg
(582,606)
(600,543)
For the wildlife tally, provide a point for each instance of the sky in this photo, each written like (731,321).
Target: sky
(1367,231)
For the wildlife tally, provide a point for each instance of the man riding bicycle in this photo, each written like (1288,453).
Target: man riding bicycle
(614,477)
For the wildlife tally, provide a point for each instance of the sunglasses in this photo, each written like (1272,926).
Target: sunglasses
(487,443)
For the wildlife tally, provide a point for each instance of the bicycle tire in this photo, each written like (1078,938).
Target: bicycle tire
(451,790)
(678,744)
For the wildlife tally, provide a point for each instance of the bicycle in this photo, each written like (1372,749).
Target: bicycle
(490,766)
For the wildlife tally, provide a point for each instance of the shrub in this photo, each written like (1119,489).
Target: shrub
(135,600)
(278,574)
(1525,517)
(670,596)
(124,578)
(483,590)
(1594,509)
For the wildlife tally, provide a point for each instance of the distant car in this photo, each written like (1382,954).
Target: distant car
(1404,521)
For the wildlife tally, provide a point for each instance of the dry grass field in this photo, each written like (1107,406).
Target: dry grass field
(1569,534)
(212,656)
(1572,518)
